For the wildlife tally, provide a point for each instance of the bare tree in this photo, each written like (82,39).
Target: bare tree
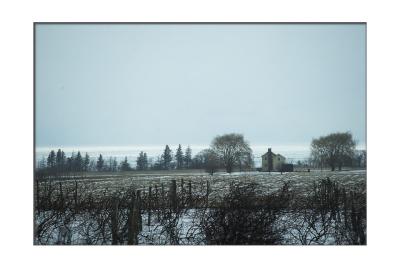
(211,162)
(230,148)
(333,150)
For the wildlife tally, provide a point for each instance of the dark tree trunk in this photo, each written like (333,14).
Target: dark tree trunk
(229,169)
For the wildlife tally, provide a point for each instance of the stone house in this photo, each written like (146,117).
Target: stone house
(272,161)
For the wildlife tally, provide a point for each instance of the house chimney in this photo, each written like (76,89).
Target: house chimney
(269,150)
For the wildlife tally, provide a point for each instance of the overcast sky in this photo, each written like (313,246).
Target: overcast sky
(167,84)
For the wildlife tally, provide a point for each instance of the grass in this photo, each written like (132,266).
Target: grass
(268,182)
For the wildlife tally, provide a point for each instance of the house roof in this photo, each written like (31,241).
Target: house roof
(280,156)
(273,154)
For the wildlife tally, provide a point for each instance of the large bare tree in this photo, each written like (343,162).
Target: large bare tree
(333,150)
(230,148)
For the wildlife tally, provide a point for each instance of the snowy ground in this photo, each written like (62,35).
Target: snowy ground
(268,182)
(81,228)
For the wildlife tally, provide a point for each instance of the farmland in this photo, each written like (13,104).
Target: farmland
(317,207)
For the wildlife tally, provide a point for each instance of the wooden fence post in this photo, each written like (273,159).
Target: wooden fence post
(49,191)
(190,193)
(172,195)
(182,194)
(133,221)
(149,207)
(163,200)
(157,204)
(76,194)
(114,222)
(37,194)
(208,190)
(139,206)
(182,183)
(61,196)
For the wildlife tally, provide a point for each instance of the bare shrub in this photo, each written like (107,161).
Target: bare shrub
(242,218)
(327,215)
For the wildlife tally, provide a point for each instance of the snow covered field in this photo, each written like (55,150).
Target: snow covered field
(268,182)
(93,226)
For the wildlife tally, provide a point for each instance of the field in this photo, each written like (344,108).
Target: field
(268,182)
(317,207)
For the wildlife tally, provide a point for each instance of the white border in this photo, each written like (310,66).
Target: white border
(17,125)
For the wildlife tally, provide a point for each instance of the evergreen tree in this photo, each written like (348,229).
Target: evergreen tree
(51,160)
(158,164)
(125,165)
(115,164)
(86,162)
(167,157)
(60,161)
(92,165)
(63,161)
(72,162)
(78,162)
(188,157)
(58,158)
(100,163)
(145,162)
(110,165)
(141,161)
(69,164)
(179,158)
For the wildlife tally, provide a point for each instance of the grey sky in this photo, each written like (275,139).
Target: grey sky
(168,84)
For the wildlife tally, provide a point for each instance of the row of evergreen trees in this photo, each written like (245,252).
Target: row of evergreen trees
(169,160)
(58,162)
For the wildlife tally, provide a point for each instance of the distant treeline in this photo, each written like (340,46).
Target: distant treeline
(230,152)
(57,162)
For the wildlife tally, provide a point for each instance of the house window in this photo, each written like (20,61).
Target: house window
(279,159)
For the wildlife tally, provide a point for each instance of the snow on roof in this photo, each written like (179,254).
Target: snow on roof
(274,154)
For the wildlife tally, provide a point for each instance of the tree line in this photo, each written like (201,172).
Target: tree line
(169,160)
(58,162)
(229,152)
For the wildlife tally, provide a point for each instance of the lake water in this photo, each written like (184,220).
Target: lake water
(293,153)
